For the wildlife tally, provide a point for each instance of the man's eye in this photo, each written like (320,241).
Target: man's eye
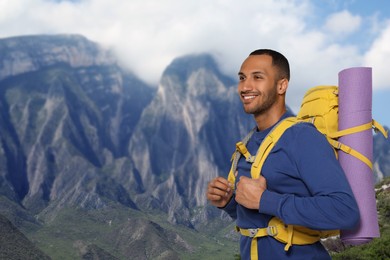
(241,78)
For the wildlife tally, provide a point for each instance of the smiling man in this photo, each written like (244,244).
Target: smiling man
(302,188)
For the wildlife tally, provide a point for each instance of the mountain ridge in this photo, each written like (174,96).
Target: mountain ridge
(29,53)
(78,131)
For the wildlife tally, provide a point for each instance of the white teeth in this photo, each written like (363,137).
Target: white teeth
(249,97)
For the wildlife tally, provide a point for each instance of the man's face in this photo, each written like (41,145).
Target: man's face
(257,85)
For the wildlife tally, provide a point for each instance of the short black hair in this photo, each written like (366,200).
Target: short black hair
(278,60)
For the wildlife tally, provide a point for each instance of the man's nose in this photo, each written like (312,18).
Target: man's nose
(245,85)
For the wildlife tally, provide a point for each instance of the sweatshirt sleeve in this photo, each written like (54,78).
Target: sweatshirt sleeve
(330,204)
(231,208)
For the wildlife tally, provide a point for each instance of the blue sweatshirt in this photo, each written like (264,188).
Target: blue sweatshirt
(306,186)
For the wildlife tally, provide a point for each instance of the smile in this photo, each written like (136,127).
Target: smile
(248,97)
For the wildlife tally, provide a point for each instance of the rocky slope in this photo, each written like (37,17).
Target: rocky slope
(79,131)
(15,245)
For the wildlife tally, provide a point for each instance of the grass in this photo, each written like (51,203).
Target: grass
(60,238)
(72,228)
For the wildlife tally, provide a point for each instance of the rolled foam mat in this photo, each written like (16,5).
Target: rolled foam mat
(355,108)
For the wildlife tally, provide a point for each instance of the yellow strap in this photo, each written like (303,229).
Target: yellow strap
(380,128)
(254,234)
(232,178)
(289,235)
(254,253)
(264,150)
(293,235)
(244,151)
(351,130)
(257,232)
(347,149)
(268,143)
(360,128)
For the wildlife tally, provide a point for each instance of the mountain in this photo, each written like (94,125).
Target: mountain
(66,110)
(381,157)
(79,131)
(185,137)
(94,162)
(15,245)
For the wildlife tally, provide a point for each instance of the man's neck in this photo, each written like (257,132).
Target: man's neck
(266,120)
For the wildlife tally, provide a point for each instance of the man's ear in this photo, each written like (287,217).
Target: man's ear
(282,86)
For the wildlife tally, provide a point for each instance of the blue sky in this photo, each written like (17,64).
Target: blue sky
(319,37)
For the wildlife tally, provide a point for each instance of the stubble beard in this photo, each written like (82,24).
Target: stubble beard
(269,99)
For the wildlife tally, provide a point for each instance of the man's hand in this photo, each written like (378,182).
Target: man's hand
(249,191)
(219,192)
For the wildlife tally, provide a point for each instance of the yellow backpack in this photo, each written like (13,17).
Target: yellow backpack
(319,107)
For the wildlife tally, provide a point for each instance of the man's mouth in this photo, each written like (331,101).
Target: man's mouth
(248,96)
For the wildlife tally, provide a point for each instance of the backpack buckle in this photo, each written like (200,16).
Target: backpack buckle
(272,231)
(253,232)
(250,159)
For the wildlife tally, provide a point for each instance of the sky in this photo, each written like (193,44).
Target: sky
(319,37)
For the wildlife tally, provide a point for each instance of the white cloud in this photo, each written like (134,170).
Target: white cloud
(343,23)
(378,58)
(148,35)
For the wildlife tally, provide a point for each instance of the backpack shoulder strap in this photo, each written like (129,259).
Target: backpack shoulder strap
(268,143)
(236,156)
(262,152)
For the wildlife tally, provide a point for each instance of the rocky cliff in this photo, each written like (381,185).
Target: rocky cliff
(64,118)
(78,131)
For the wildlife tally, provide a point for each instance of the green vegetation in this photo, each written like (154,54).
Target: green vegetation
(378,248)
(74,231)
(14,245)
(121,233)
(59,238)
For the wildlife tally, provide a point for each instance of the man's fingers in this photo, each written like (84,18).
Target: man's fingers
(220,183)
(213,197)
(222,186)
(219,190)
(221,180)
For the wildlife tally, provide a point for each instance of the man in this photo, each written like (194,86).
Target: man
(301,181)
